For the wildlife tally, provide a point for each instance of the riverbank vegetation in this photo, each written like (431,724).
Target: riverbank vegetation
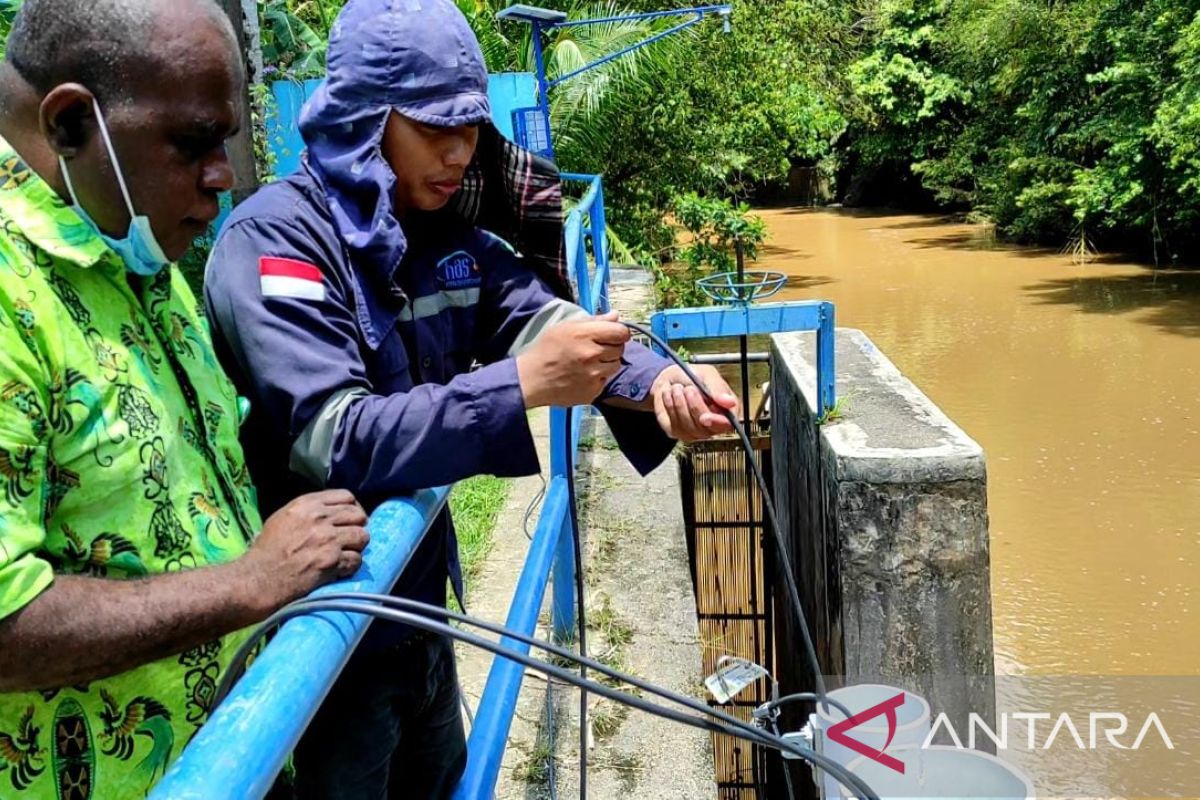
(1073,123)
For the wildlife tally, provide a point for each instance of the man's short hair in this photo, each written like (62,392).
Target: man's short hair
(102,44)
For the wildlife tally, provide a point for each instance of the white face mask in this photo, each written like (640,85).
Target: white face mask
(139,249)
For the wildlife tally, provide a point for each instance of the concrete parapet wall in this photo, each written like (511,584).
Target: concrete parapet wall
(885,515)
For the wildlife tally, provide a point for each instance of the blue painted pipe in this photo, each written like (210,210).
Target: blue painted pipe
(826,374)
(489,734)
(563,608)
(246,742)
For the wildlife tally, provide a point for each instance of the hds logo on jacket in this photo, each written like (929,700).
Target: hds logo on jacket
(459,270)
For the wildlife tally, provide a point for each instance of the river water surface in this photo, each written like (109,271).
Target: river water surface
(1080,381)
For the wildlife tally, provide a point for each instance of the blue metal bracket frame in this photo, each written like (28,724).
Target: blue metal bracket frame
(725,321)
(697,13)
(539,55)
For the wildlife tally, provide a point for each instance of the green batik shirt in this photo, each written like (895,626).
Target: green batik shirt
(119,458)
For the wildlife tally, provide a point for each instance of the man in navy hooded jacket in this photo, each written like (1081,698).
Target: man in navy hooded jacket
(388,345)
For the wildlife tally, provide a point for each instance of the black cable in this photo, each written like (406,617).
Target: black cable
(768,504)
(770,712)
(713,721)
(810,697)
(580,610)
(772,717)
(533,506)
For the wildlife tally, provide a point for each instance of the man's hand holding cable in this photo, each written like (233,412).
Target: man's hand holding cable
(681,409)
(572,362)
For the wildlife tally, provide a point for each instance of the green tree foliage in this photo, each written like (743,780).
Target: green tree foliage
(724,114)
(295,34)
(1061,121)
(711,228)
(8,10)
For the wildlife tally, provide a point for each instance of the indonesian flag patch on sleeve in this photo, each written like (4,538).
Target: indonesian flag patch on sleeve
(286,277)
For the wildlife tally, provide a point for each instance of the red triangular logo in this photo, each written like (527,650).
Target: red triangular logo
(887,708)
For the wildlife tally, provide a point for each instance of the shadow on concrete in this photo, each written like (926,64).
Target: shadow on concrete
(1172,296)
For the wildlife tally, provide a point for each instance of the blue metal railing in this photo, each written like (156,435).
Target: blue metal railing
(587,219)
(553,546)
(241,749)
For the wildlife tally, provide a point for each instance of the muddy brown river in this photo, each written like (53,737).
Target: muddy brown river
(1080,381)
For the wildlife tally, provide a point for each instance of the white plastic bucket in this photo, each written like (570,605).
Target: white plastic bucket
(912,726)
(946,773)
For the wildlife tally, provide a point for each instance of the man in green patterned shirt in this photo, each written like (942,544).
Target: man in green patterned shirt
(128,557)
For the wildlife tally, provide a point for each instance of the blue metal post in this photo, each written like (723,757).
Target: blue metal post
(600,249)
(827,391)
(485,748)
(539,58)
(577,257)
(245,743)
(563,611)
(658,326)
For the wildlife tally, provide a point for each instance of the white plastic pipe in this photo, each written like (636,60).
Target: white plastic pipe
(945,773)
(912,726)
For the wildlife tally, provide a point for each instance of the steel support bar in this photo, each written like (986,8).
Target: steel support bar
(539,57)
(627,50)
(728,358)
(723,8)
